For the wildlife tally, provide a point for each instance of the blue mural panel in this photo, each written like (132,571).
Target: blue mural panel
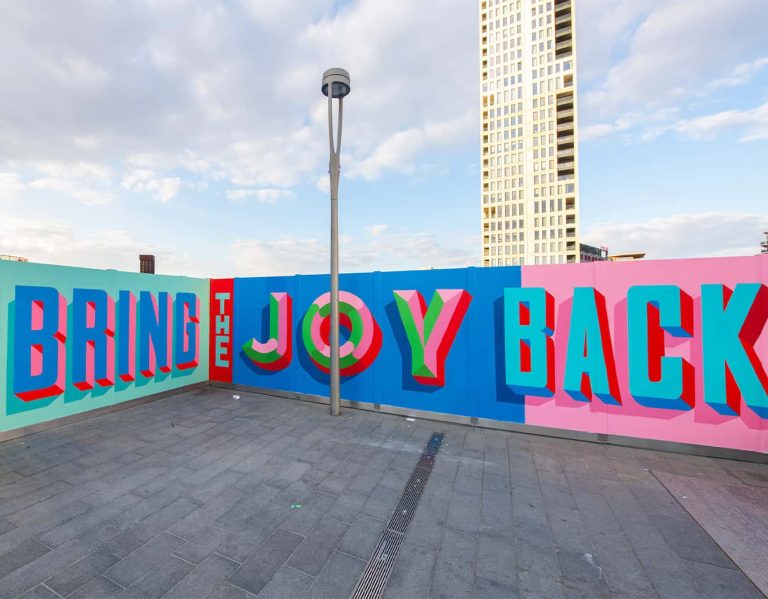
(465,341)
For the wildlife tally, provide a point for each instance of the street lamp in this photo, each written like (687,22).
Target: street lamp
(335,85)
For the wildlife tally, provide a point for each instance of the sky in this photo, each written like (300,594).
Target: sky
(196,130)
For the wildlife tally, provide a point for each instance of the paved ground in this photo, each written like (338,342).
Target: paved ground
(197,496)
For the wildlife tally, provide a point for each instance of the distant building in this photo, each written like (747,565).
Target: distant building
(147,264)
(627,257)
(591,253)
(764,245)
(11,258)
(529,138)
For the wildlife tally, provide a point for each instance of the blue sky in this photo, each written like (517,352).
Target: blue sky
(196,130)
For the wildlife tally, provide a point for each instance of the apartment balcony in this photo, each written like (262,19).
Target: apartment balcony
(565,153)
(565,31)
(570,203)
(565,100)
(565,140)
(564,46)
(563,115)
(567,126)
(563,19)
(570,233)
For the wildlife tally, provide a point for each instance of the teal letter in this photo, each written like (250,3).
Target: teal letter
(529,322)
(731,324)
(590,366)
(657,381)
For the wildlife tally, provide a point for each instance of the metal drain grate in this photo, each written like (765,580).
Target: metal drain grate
(379,567)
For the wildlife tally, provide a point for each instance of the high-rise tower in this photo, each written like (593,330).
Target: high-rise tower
(529,143)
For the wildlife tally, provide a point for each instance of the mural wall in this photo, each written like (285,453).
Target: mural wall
(74,339)
(669,350)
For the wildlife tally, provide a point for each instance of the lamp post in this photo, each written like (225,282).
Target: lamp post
(335,85)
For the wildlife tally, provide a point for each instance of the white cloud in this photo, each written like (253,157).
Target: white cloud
(73,189)
(377,230)
(229,90)
(399,151)
(741,75)
(385,251)
(752,125)
(10,186)
(163,189)
(266,196)
(676,53)
(684,235)
(672,52)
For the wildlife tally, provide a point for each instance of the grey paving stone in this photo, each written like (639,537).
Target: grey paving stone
(622,570)
(412,572)
(202,544)
(39,592)
(75,576)
(236,517)
(464,512)
(230,591)
(381,503)
(203,581)
(455,565)
(361,537)
(286,582)
(97,588)
(581,567)
(337,578)
(333,484)
(492,589)
(21,502)
(714,582)
(690,541)
(159,580)
(303,520)
(6,526)
(496,559)
(143,559)
(395,478)
(257,570)
(347,505)
(311,554)
(20,556)
(207,514)
(86,521)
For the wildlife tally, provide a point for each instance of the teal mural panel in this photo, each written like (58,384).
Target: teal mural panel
(74,339)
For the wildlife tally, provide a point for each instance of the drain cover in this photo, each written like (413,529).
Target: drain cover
(379,567)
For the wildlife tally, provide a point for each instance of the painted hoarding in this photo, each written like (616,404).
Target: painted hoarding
(76,339)
(667,350)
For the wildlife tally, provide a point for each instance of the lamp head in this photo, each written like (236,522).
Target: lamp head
(337,80)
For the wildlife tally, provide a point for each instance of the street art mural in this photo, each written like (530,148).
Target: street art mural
(76,339)
(669,350)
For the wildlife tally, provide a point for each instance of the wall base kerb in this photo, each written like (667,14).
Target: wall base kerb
(528,429)
(82,416)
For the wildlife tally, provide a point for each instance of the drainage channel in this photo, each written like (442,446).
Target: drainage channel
(379,567)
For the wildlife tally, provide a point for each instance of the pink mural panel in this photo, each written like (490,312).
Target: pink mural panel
(697,421)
